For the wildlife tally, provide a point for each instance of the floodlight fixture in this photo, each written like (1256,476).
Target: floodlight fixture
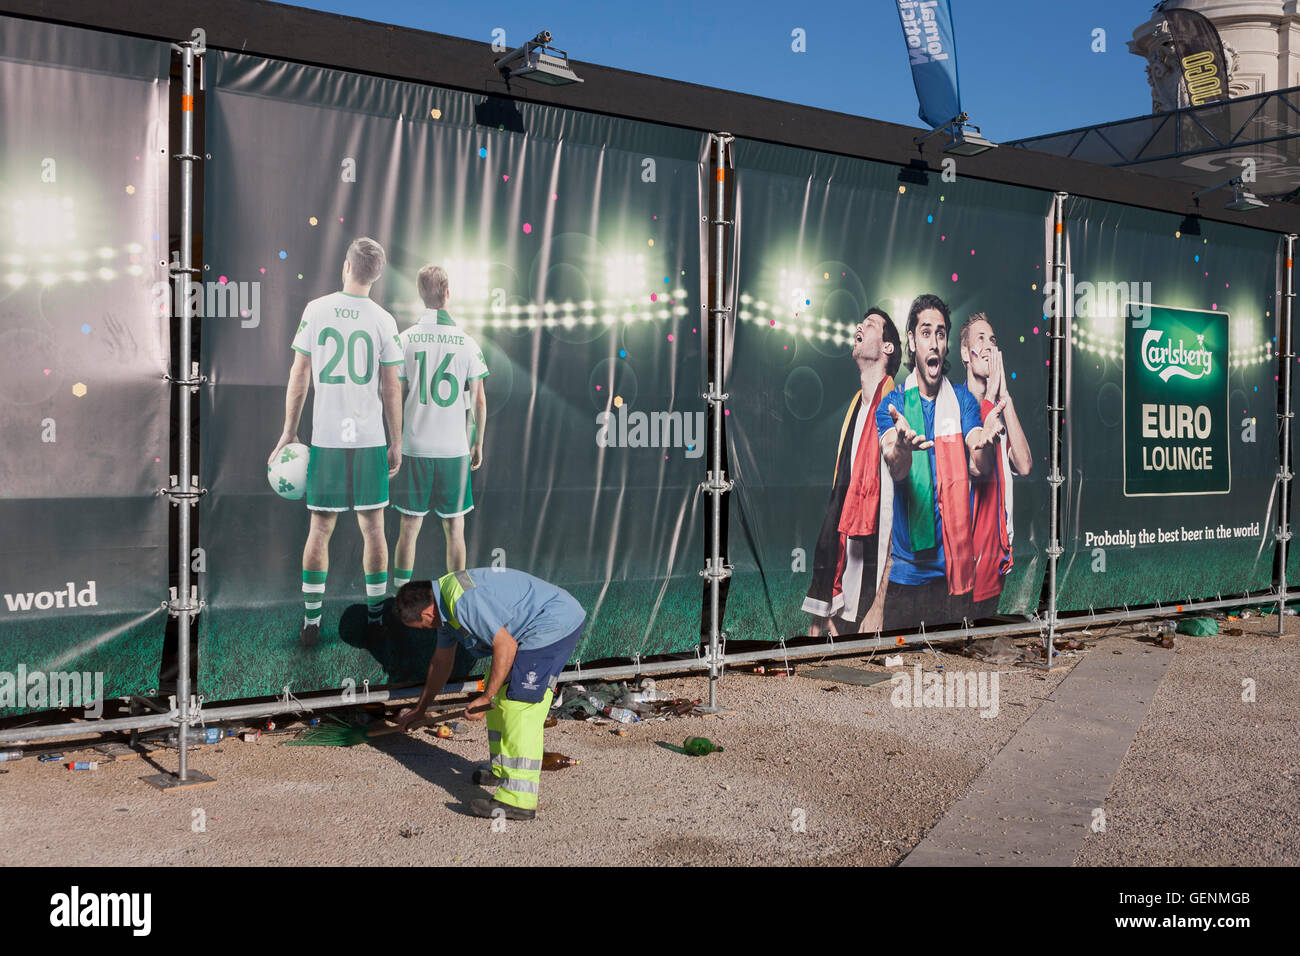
(537,62)
(964,137)
(1243,200)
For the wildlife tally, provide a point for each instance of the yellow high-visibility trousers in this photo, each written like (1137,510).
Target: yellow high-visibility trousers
(515,743)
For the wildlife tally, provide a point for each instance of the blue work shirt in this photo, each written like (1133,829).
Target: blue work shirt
(535,612)
(928,564)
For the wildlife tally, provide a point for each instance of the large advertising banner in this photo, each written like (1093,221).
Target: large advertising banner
(1172,374)
(886,420)
(538,293)
(83,355)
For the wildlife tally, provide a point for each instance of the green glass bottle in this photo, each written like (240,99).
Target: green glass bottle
(699,746)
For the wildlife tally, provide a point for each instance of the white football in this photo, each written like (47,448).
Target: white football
(288,472)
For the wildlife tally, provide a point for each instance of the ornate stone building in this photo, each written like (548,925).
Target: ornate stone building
(1261,43)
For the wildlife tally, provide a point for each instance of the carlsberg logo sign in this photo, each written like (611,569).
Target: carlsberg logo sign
(1170,359)
(1176,403)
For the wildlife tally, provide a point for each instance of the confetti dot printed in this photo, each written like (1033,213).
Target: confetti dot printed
(130,190)
(528,228)
(618,401)
(85,329)
(482,152)
(313,221)
(652,242)
(79,390)
(954,277)
(622,353)
(435,113)
(222,279)
(283,254)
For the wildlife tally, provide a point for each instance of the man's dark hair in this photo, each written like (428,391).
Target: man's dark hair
(919,305)
(412,598)
(895,358)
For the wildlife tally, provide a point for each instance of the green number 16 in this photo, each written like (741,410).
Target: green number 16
(440,377)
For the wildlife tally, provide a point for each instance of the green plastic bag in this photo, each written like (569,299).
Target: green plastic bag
(1198,626)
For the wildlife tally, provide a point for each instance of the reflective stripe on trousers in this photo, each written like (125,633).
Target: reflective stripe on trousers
(515,743)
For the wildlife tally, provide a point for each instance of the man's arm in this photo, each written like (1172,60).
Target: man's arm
(391,382)
(981,443)
(439,670)
(1018,448)
(479,398)
(504,648)
(295,397)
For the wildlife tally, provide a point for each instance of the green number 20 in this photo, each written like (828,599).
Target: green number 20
(440,377)
(327,375)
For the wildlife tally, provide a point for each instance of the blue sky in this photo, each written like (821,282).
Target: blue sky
(1026,66)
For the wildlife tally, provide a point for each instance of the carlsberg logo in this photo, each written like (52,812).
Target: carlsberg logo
(1168,360)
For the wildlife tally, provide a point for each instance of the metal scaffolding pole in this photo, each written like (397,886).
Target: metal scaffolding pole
(1055,410)
(184,491)
(716,485)
(1284,421)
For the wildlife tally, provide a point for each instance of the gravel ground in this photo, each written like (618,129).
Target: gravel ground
(1209,779)
(1212,779)
(869,778)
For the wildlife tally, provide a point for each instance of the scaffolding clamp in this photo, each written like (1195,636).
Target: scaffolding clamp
(716,570)
(176,607)
(715,484)
(714,396)
(192,494)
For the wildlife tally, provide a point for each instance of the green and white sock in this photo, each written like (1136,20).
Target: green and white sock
(313,594)
(401,576)
(376,591)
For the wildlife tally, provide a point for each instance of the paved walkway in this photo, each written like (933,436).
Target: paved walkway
(1033,805)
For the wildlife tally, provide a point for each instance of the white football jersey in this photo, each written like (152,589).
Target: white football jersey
(440,359)
(348,338)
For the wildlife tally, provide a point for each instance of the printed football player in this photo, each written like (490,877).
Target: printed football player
(991,498)
(934,440)
(443,368)
(347,350)
(849,565)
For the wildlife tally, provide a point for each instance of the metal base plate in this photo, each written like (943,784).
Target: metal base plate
(170,782)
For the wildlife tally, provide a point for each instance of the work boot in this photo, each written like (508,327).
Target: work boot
(484,777)
(309,635)
(481,807)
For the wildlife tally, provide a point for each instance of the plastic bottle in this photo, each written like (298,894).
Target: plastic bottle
(204,735)
(621,714)
(84,765)
(10,755)
(700,746)
(557,761)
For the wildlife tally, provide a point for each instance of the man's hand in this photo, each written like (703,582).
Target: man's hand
(475,457)
(906,438)
(407,717)
(993,429)
(285,439)
(478,707)
(394,459)
(995,387)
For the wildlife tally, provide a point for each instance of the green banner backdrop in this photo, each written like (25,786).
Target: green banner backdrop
(571,245)
(823,240)
(83,353)
(1172,447)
